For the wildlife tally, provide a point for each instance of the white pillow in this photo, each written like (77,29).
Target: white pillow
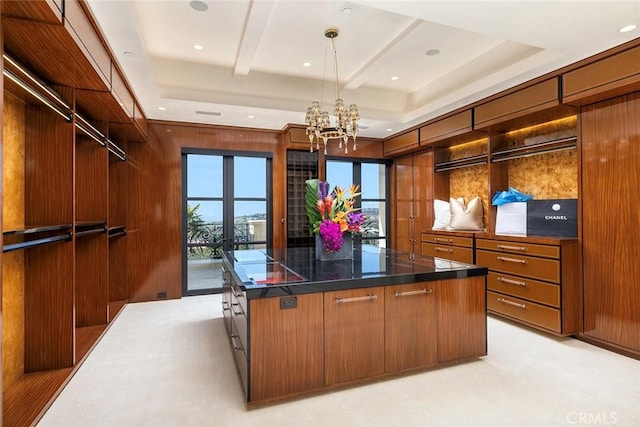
(466,217)
(442,214)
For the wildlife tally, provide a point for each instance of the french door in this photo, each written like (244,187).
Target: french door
(226,206)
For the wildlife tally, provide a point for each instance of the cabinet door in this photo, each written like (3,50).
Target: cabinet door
(462,318)
(354,334)
(404,203)
(410,328)
(422,194)
(285,346)
(610,232)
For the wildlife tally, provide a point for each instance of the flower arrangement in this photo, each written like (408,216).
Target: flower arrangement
(332,214)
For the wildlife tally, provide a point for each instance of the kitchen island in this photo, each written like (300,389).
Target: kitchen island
(298,325)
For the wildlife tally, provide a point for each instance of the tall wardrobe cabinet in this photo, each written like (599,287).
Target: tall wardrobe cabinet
(611,214)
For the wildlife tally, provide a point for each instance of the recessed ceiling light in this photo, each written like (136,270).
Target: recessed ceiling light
(197,47)
(628,28)
(306,64)
(198,5)
(250,117)
(347,10)
(432,52)
(394,78)
(389,129)
(161,108)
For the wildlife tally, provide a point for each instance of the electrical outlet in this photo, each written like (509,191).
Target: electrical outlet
(288,302)
(162,295)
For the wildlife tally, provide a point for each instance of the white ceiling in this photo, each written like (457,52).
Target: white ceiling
(251,63)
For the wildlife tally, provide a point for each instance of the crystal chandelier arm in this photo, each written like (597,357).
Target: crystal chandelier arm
(335,62)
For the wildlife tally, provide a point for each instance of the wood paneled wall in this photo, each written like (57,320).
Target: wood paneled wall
(610,218)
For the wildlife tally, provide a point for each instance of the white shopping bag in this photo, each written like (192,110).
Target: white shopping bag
(512,219)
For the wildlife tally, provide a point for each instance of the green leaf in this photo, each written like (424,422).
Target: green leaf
(311,204)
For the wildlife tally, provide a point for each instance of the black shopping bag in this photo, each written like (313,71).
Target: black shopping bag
(552,217)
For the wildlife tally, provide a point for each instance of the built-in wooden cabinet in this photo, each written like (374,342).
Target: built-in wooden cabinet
(301,166)
(453,245)
(403,143)
(533,280)
(414,199)
(610,156)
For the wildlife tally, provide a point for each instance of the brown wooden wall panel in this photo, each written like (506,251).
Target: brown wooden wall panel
(91,287)
(118,285)
(141,122)
(49,168)
(513,106)
(49,323)
(287,346)
(401,143)
(609,77)
(452,126)
(422,193)
(117,198)
(403,185)
(610,217)
(82,32)
(91,180)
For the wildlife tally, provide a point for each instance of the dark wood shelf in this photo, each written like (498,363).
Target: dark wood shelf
(115,307)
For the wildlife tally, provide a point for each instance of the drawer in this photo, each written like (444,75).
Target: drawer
(522,265)
(532,290)
(528,312)
(454,253)
(519,248)
(240,321)
(241,360)
(238,297)
(447,240)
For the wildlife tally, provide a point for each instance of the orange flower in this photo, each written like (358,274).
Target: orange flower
(341,219)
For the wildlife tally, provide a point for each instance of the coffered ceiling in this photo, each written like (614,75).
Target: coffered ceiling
(401,62)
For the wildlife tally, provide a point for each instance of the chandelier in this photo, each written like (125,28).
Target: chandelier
(319,126)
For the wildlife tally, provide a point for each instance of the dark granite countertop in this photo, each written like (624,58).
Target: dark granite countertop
(291,271)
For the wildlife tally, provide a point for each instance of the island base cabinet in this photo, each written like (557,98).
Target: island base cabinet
(286,346)
(462,318)
(410,326)
(354,334)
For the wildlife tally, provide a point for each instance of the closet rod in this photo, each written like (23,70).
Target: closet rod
(521,156)
(40,97)
(43,87)
(117,151)
(34,243)
(88,129)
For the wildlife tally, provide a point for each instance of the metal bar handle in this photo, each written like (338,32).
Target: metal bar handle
(225,306)
(511,281)
(440,239)
(234,344)
(448,250)
(354,299)
(513,248)
(515,304)
(235,313)
(518,261)
(408,293)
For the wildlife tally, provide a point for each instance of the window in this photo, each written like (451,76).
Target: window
(373,178)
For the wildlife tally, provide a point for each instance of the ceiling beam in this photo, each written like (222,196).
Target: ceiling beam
(254,27)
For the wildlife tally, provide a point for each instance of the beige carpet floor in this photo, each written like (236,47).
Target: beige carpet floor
(169,363)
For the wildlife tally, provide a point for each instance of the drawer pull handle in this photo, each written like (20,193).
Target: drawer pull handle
(518,261)
(515,304)
(511,281)
(440,239)
(443,250)
(408,293)
(225,306)
(234,344)
(513,248)
(354,299)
